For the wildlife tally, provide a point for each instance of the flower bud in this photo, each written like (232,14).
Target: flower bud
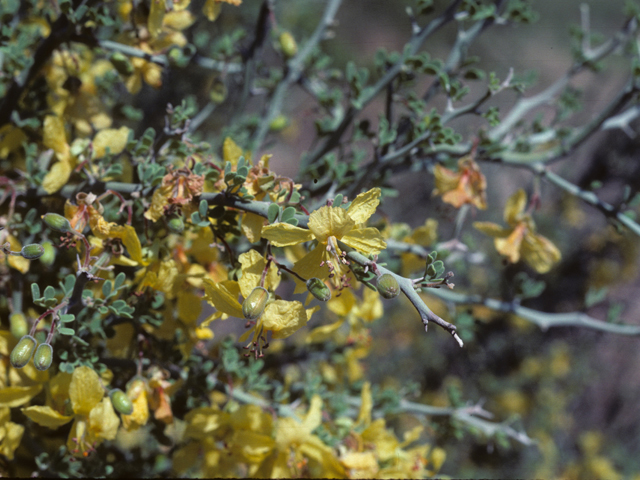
(388,286)
(121,63)
(43,357)
(57,222)
(288,44)
(278,123)
(176,225)
(32,252)
(318,289)
(121,402)
(21,353)
(254,304)
(18,325)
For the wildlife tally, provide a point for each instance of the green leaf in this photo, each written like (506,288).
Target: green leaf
(273,212)
(106,289)
(120,278)
(35,291)
(66,331)
(49,293)
(203,208)
(66,318)
(288,213)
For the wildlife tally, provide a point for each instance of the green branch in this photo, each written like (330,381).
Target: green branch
(295,68)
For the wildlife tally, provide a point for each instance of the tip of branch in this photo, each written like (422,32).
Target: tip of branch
(458,339)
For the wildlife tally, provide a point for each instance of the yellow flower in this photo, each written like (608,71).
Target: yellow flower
(519,240)
(212,8)
(94,418)
(10,434)
(467,185)
(328,225)
(280,317)
(54,137)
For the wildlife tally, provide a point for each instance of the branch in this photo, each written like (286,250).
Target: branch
(408,288)
(161,59)
(413,46)
(295,68)
(542,319)
(525,105)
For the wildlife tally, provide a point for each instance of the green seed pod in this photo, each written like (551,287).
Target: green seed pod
(121,402)
(23,351)
(49,255)
(121,63)
(176,225)
(18,324)
(33,251)
(43,357)
(318,289)
(57,222)
(388,286)
(288,44)
(254,304)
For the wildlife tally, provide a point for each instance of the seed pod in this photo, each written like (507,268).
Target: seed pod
(33,251)
(43,357)
(121,402)
(121,63)
(176,225)
(318,289)
(23,351)
(49,254)
(388,286)
(18,325)
(288,44)
(254,304)
(57,222)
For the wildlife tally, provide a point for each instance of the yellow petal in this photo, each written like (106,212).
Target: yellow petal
(179,5)
(314,415)
(85,390)
(252,447)
(203,421)
(364,205)
(366,462)
(189,307)
(343,304)
(427,234)
(11,440)
(16,396)
(114,139)
(366,405)
(515,206)
(324,333)
(19,263)
(46,416)
(57,177)
(231,152)
(159,199)
(221,298)
(140,415)
(252,226)
(330,221)
(510,246)
(309,265)
(370,308)
(130,240)
(54,137)
(365,240)
(252,267)
(492,229)
(178,20)
(103,421)
(539,252)
(284,318)
(211,9)
(156,15)
(285,234)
